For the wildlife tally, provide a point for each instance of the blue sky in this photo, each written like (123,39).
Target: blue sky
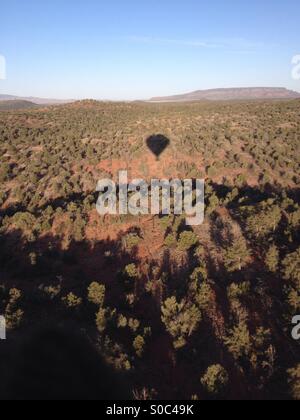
(136,49)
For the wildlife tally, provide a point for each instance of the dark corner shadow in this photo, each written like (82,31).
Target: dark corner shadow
(58,362)
(52,356)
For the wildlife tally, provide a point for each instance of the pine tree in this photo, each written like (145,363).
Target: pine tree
(239,341)
(72,301)
(294,382)
(291,268)
(131,271)
(261,224)
(187,240)
(236,256)
(181,320)
(294,300)
(138,345)
(101,320)
(272,259)
(204,295)
(96,293)
(215,379)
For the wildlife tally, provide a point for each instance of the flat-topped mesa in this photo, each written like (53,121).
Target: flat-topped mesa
(232,94)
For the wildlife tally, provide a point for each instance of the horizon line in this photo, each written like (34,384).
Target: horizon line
(46,97)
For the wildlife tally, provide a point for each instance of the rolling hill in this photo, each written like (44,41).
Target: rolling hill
(15,105)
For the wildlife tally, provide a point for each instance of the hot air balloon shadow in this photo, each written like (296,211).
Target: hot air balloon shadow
(157,144)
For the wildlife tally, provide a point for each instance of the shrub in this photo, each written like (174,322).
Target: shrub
(187,240)
(72,301)
(170,241)
(165,222)
(51,291)
(132,240)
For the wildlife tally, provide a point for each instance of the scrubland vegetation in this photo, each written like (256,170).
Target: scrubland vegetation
(202,313)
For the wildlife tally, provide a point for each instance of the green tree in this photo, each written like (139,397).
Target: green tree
(215,379)
(294,382)
(13,315)
(204,296)
(187,240)
(200,273)
(181,320)
(170,241)
(122,321)
(239,341)
(101,320)
(133,324)
(131,241)
(294,300)
(4,172)
(237,291)
(96,293)
(291,268)
(33,258)
(131,271)
(272,259)
(264,222)
(72,301)
(138,345)
(236,256)
(213,204)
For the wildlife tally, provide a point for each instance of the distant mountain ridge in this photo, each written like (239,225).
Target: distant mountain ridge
(37,101)
(231,94)
(226,94)
(9,105)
